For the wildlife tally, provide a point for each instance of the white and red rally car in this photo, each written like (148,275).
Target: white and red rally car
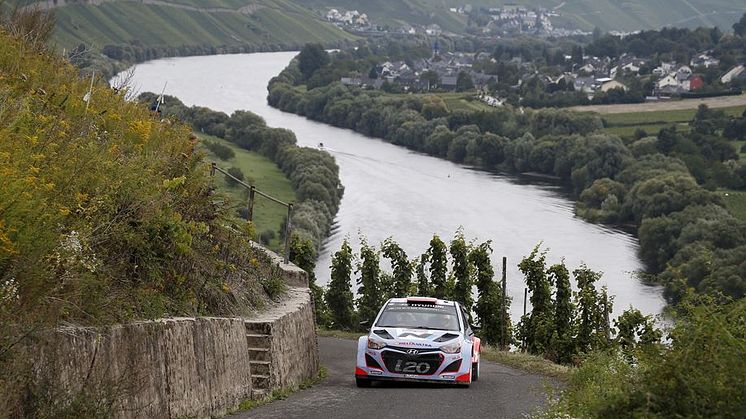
(419,339)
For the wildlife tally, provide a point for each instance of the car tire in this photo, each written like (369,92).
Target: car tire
(362,382)
(474,371)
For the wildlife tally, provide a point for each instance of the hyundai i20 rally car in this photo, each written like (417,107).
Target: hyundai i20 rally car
(419,339)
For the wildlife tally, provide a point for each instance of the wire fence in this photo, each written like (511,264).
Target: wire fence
(253,192)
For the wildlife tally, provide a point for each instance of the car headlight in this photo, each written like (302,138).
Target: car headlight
(451,349)
(373,344)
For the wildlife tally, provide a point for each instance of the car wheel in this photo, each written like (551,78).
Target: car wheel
(475,371)
(362,382)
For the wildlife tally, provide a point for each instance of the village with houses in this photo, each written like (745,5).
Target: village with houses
(583,78)
(508,20)
(461,71)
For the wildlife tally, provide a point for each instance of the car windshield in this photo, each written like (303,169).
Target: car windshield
(419,316)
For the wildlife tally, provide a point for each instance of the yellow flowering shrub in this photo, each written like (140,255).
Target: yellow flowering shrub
(106,213)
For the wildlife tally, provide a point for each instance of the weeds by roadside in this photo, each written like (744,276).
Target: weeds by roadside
(284,393)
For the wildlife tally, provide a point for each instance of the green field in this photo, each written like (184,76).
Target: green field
(455,101)
(735,201)
(192,23)
(625,124)
(464,101)
(262,173)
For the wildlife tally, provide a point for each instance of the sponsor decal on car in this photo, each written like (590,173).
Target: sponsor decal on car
(423,345)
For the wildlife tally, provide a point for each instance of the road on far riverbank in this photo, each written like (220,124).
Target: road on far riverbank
(501,392)
(669,105)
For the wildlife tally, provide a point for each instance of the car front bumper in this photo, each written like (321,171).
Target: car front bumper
(379,370)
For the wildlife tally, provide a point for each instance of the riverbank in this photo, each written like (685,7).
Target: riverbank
(614,182)
(313,173)
(438,196)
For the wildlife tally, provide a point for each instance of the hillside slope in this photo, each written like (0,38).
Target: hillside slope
(584,14)
(188,22)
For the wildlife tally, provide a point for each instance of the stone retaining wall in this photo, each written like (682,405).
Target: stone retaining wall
(181,367)
(159,369)
(293,348)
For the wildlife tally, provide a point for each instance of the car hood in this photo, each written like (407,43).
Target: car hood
(415,338)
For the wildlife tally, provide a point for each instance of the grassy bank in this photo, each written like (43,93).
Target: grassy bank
(260,172)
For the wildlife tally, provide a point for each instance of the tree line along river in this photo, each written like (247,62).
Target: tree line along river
(391,191)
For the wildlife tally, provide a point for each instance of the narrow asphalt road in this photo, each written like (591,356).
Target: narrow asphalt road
(501,392)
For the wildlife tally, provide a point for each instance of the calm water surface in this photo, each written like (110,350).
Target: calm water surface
(390,191)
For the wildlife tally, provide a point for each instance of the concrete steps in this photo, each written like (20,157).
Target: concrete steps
(260,327)
(259,354)
(260,382)
(260,367)
(259,342)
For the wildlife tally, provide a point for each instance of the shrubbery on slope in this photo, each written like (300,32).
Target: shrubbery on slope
(106,213)
(313,173)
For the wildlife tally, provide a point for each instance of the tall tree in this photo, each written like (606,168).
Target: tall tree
(562,340)
(536,328)
(401,265)
(577,54)
(423,286)
(739,28)
(303,254)
(339,295)
(488,303)
(311,58)
(591,321)
(369,272)
(462,271)
(438,266)
(464,82)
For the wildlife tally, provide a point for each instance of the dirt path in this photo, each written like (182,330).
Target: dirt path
(673,105)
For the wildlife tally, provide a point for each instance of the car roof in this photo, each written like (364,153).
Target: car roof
(422,300)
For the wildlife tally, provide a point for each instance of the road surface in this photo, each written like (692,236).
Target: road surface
(501,392)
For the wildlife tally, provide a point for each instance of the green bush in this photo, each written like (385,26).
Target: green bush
(223,152)
(266,236)
(699,375)
(236,173)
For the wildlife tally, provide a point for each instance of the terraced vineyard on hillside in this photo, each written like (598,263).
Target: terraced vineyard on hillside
(190,22)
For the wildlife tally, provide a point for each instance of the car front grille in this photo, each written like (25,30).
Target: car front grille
(417,364)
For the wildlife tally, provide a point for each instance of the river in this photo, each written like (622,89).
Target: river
(391,191)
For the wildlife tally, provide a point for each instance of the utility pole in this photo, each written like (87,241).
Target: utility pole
(504,308)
